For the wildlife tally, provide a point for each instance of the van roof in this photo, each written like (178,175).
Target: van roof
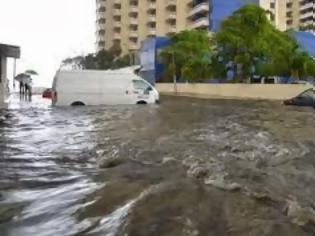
(97,72)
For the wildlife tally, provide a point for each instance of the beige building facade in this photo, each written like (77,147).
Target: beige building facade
(277,12)
(128,22)
(291,14)
(306,15)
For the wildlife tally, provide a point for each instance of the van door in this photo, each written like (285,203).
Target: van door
(142,92)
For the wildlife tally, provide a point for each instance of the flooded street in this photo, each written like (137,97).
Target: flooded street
(186,167)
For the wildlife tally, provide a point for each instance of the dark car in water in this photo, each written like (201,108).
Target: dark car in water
(307,98)
(47,94)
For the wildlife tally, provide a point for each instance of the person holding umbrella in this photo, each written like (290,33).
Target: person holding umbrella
(25,81)
(22,79)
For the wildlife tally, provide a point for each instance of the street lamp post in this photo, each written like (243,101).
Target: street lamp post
(14,72)
(174,72)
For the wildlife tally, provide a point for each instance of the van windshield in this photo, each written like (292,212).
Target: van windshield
(307,94)
(140,85)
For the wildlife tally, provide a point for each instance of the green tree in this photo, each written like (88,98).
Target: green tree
(122,61)
(242,39)
(89,62)
(188,56)
(249,39)
(103,60)
(310,68)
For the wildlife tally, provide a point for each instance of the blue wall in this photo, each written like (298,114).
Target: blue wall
(151,67)
(306,41)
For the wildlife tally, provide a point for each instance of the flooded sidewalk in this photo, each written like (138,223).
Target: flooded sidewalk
(186,167)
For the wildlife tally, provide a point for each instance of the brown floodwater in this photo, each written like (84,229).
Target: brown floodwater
(186,167)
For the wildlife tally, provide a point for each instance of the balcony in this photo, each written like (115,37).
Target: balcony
(100,38)
(134,2)
(100,32)
(309,5)
(133,34)
(152,18)
(133,46)
(100,15)
(100,3)
(171,17)
(171,4)
(152,6)
(134,9)
(172,30)
(151,33)
(202,8)
(100,26)
(100,20)
(117,36)
(133,21)
(116,12)
(117,24)
(200,23)
(101,9)
(100,44)
(307,15)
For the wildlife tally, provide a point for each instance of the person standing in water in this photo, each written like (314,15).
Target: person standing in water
(28,91)
(22,88)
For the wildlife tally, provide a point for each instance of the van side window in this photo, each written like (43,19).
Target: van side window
(140,85)
(307,94)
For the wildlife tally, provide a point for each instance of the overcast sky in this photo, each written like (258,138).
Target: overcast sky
(47,32)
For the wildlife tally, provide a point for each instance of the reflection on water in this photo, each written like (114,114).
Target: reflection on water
(186,167)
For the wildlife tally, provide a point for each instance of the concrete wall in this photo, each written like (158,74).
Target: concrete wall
(235,91)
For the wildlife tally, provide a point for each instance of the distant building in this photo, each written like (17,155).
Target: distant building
(6,51)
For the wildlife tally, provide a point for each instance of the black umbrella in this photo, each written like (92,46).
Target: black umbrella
(24,78)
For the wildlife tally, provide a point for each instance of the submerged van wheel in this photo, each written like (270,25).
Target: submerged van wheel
(142,103)
(78,104)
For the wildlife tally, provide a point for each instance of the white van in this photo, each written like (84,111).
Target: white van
(91,87)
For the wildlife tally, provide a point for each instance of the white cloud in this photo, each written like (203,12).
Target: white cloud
(47,32)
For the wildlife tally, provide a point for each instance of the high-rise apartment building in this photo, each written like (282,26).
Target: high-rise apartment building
(128,22)
(302,15)
(291,14)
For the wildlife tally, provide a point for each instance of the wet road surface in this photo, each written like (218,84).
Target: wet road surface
(186,167)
